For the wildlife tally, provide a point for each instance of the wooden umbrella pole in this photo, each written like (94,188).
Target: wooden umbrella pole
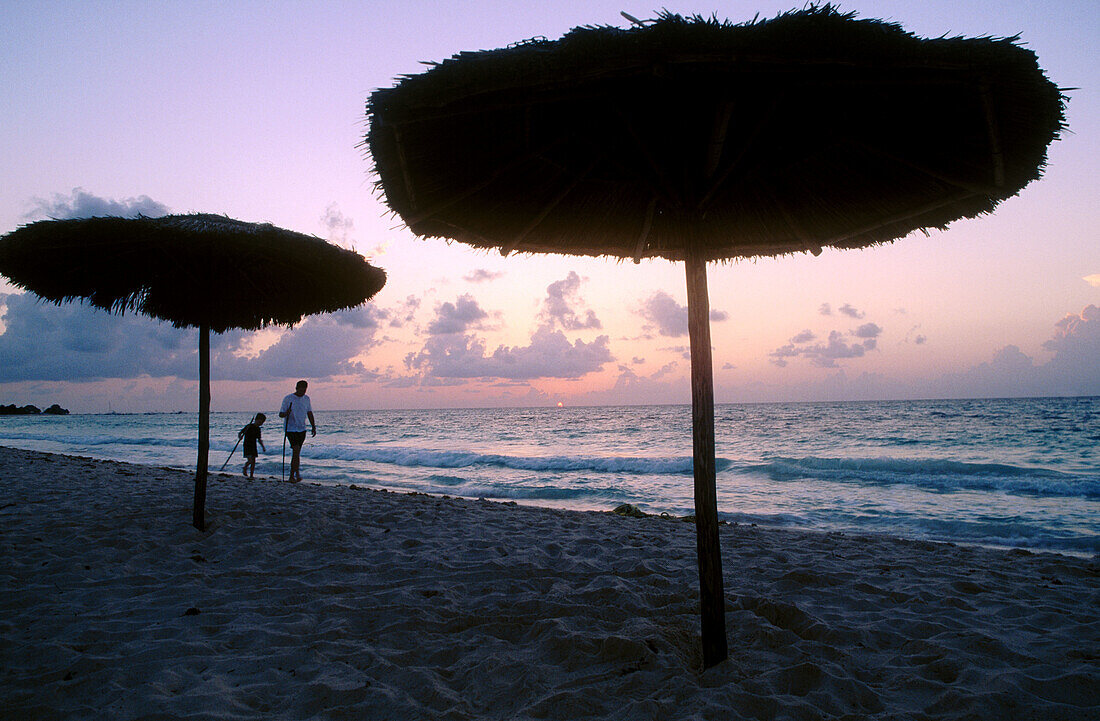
(204,428)
(711,591)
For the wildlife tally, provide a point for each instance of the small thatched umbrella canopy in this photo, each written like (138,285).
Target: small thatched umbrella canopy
(698,140)
(204,271)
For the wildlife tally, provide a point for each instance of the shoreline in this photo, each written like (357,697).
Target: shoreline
(317,601)
(992,474)
(687,405)
(567,506)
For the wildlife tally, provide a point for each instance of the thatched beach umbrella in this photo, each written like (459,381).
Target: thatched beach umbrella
(204,271)
(699,140)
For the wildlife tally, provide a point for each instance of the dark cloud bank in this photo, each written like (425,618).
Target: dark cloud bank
(72,342)
(44,342)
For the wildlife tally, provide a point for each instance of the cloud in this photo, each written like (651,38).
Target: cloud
(1072,328)
(404,313)
(549,355)
(1071,371)
(339,229)
(665,370)
(450,352)
(82,204)
(1076,346)
(683,350)
(73,342)
(835,348)
(378,251)
(869,332)
(365,317)
(1093,280)
(912,336)
(1009,373)
(481,276)
(629,387)
(826,355)
(457,317)
(42,341)
(670,318)
(780,355)
(319,347)
(338,225)
(558,307)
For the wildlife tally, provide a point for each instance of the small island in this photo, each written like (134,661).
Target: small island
(29,410)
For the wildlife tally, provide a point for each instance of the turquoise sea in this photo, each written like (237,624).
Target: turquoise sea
(1006,472)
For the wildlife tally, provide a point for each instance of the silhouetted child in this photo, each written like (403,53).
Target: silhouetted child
(251,435)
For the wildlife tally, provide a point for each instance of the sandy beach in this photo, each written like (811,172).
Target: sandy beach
(305,601)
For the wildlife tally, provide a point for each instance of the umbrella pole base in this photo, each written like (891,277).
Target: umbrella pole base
(198,519)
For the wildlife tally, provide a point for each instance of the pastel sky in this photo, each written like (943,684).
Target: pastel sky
(255,110)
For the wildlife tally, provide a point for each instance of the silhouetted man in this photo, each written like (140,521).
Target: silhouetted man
(296,409)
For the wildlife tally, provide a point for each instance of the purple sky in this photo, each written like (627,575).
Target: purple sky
(255,110)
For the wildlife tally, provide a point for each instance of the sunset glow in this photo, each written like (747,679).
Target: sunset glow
(257,112)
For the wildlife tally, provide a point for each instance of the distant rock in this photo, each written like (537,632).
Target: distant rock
(28,410)
(13,410)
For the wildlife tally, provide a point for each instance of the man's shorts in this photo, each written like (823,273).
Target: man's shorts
(296,438)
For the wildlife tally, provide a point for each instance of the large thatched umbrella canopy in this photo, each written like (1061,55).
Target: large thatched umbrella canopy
(696,140)
(204,271)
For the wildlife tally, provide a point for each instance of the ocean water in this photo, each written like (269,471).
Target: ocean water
(1005,472)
